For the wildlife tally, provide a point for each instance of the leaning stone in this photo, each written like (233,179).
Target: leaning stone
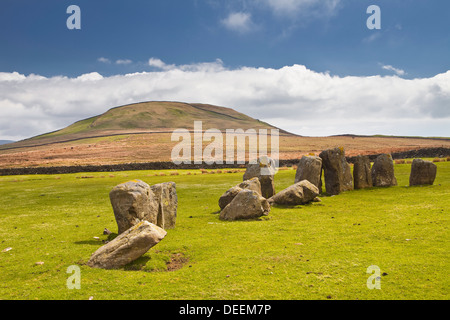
(383,171)
(264,170)
(132,203)
(127,247)
(166,195)
(362,178)
(247,204)
(309,168)
(422,172)
(299,193)
(337,172)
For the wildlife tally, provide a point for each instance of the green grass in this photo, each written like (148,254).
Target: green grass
(316,251)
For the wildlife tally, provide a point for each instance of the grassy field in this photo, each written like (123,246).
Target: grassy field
(317,251)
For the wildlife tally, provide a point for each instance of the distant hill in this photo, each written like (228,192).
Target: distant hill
(149,117)
(141,133)
(6,141)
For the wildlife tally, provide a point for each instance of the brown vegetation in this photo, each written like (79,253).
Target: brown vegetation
(119,136)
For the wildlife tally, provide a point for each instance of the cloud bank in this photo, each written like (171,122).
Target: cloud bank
(293,97)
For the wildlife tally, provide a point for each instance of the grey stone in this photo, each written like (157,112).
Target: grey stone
(337,172)
(251,184)
(362,177)
(247,204)
(383,171)
(422,172)
(228,196)
(166,195)
(128,246)
(264,170)
(133,202)
(310,168)
(299,193)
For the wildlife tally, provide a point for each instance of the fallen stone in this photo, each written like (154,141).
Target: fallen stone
(422,172)
(299,193)
(383,171)
(310,191)
(247,204)
(128,246)
(132,203)
(337,172)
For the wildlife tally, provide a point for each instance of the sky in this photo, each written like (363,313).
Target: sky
(311,67)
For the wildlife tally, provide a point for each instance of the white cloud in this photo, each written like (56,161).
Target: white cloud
(239,21)
(13,76)
(103,60)
(159,64)
(124,61)
(293,97)
(399,72)
(93,76)
(302,7)
(194,67)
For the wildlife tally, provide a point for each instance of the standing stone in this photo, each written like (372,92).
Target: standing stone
(247,204)
(228,196)
(310,168)
(422,172)
(133,202)
(264,170)
(166,195)
(383,171)
(299,193)
(127,247)
(362,177)
(337,172)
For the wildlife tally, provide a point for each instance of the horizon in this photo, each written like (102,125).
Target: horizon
(6,141)
(313,68)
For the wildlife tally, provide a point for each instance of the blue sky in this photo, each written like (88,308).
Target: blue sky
(414,37)
(305,44)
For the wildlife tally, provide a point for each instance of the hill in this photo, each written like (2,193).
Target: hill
(141,133)
(147,117)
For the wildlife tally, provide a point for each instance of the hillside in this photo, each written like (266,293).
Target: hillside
(147,117)
(141,133)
